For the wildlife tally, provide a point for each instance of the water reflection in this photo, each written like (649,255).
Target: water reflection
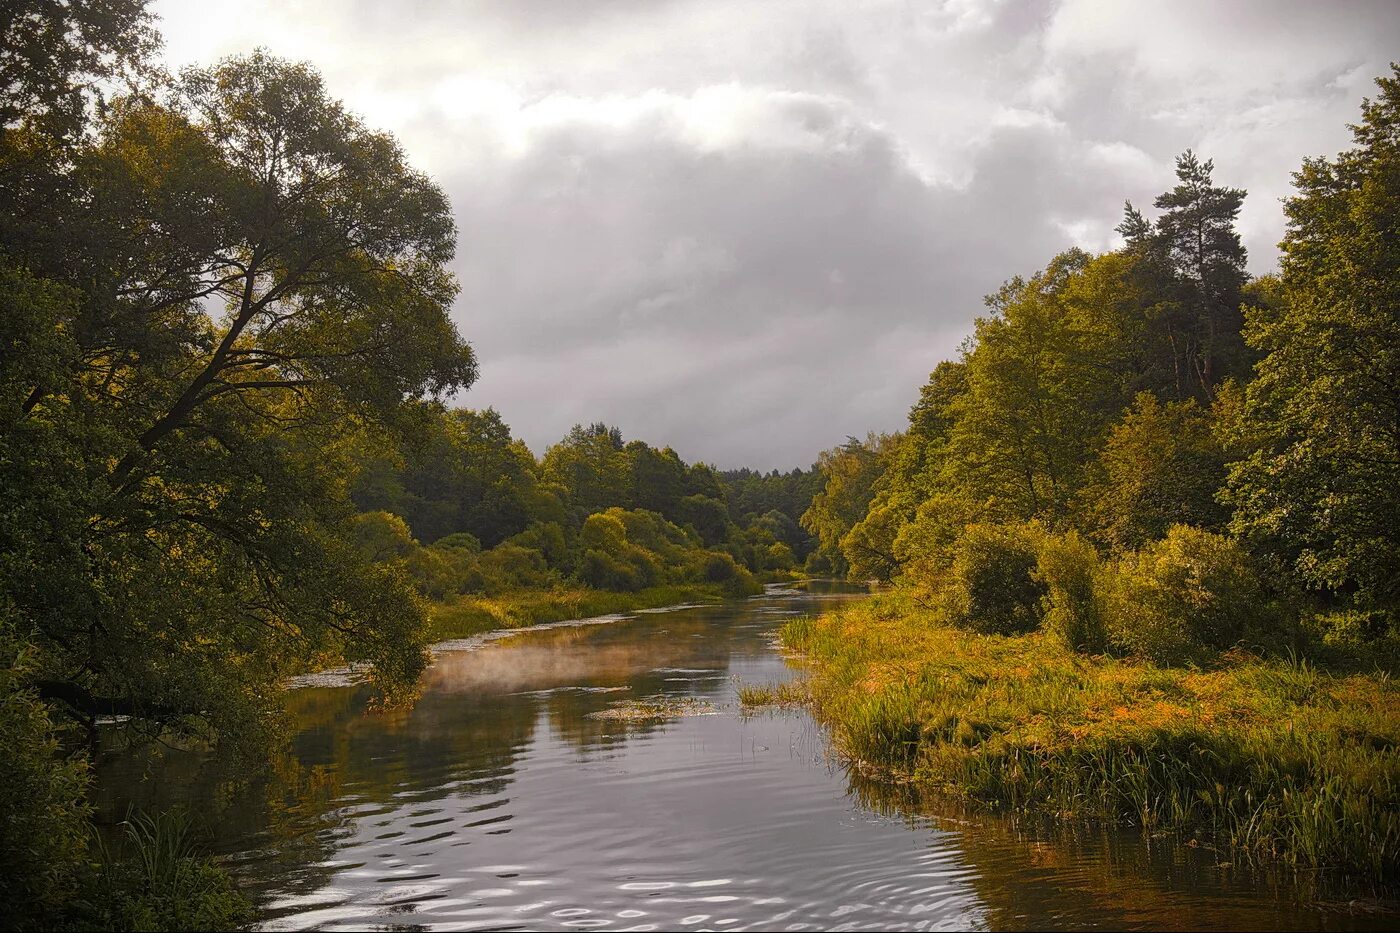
(499,802)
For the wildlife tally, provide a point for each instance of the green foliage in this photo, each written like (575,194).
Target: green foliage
(1161,465)
(848,484)
(708,516)
(1182,598)
(1069,568)
(157,881)
(1321,494)
(455,471)
(175,526)
(1195,255)
(993,587)
(43,805)
(381,536)
(718,567)
(1039,396)
(751,495)
(624,570)
(591,464)
(54,56)
(1269,760)
(779,556)
(545,537)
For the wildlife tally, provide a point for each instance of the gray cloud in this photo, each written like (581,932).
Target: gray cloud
(748,230)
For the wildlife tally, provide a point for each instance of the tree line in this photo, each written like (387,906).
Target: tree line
(467,509)
(226,453)
(1151,450)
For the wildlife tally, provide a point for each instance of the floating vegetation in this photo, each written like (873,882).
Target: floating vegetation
(649,709)
(786,695)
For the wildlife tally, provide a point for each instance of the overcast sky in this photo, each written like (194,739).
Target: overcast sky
(748,229)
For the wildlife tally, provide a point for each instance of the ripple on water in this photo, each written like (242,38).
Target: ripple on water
(502,802)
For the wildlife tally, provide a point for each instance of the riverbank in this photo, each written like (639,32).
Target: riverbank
(466,616)
(1263,759)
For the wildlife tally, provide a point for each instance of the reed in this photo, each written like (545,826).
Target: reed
(785,694)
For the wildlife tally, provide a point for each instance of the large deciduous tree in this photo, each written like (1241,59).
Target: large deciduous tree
(1323,491)
(255,279)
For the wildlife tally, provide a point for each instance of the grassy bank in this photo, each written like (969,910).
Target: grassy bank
(465,616)
(1262,758)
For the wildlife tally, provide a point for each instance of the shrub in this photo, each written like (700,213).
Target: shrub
(629,570)
(510,566)
(545,537)
(159,881)
(993,587)
(819,564)
(435,573)
(1068,567)
(722,568)
(459,542)
(1184,597)
(778,556)
(43,806)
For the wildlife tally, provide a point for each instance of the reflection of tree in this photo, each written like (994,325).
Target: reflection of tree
(346,768)
(1030,867)
(614,656)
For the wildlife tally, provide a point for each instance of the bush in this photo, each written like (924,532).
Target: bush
(43,806)
(1068,567)
(603,531)
(160,882)
(1184,597)
(993,587)
(778,556)
(436,573)
(510,566)
(545,537)
(819,564)
(459,542)
(626,572)
(381,536)
(722,568)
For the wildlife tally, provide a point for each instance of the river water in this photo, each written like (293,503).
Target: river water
(511,797)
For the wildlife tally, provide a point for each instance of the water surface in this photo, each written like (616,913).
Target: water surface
(501,802)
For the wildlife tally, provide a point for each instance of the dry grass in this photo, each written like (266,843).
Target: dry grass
(1265,758)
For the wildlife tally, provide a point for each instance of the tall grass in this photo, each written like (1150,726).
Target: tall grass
(155,878)
(1266,759)
(756,696)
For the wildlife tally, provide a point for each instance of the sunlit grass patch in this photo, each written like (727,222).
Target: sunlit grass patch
(1268,758)
(787,694)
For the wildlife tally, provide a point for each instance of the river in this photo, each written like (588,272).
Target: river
(512,796)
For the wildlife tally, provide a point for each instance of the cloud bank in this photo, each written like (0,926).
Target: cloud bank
(748,230)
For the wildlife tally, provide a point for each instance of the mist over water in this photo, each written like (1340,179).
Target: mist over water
(501,802)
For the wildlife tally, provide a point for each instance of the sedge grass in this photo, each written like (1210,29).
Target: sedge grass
(1264,758)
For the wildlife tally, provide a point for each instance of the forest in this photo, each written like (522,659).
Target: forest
(1138,548)
(226,453)
(1143,534)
